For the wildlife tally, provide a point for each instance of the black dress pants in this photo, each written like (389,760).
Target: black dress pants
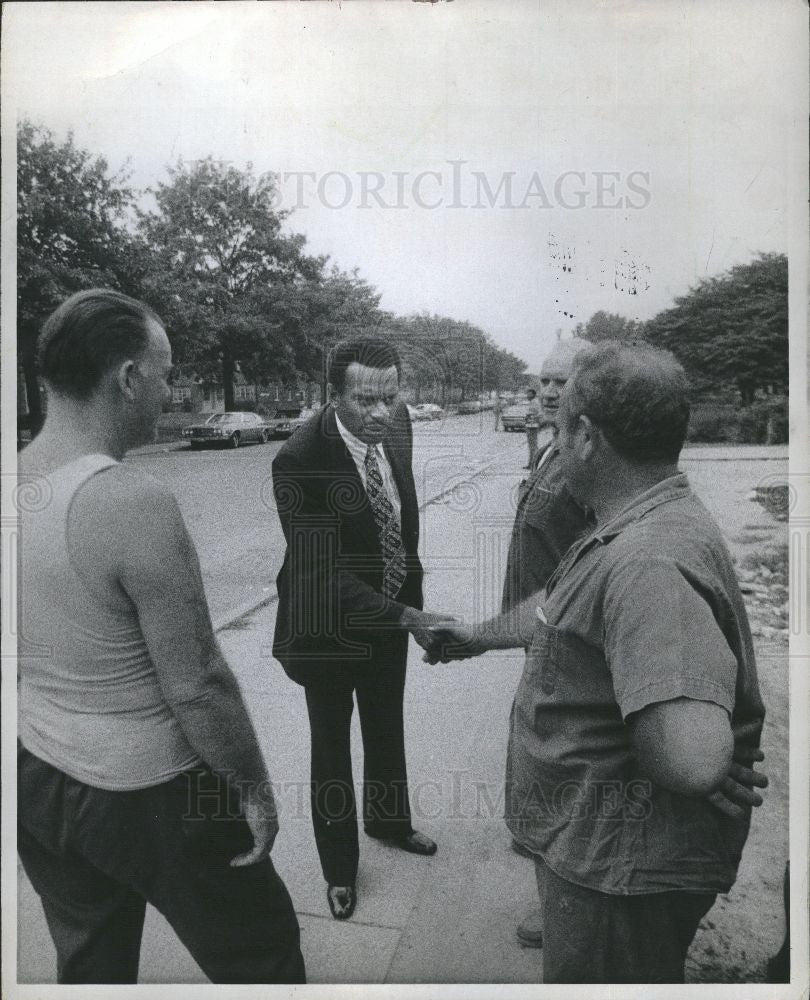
(379,687)
(97,857)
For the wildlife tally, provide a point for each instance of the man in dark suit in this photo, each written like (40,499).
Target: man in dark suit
(350,590)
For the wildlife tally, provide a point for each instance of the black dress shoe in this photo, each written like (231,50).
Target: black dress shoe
(342,900)
(413,842)
(416,843)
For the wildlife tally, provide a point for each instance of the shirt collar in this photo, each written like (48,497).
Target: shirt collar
(671,488)
(357,449)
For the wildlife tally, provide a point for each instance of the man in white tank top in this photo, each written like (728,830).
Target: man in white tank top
(140,778)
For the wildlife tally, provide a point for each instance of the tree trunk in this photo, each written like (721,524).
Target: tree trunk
(35,415)
(746,392)
(227,378)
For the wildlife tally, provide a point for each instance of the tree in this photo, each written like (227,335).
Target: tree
(71,234)
(608,326)
(732,330)
(342,304)
(449,359)
(503,370)
(229,282)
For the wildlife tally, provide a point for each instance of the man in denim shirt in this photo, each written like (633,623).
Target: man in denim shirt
(639,676)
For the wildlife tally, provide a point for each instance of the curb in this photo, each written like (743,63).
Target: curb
(231,618)
(734,458)
(158,448)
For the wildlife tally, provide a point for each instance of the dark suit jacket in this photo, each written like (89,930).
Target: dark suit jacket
(332,616)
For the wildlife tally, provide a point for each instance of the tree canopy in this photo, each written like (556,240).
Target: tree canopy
(449,359)
(729,332)
(608,326)
(732,330)
(230,283)
(71,234)
(214,257)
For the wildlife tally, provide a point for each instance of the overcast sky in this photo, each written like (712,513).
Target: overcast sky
(518,165)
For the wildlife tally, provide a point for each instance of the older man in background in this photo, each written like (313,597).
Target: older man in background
(532,426)
(547,522)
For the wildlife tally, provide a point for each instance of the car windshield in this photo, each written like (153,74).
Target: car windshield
(220,418)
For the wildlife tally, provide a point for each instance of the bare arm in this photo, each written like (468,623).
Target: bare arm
(683,744)
(159,570)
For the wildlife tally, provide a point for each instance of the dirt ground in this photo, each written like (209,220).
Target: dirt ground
(746,927)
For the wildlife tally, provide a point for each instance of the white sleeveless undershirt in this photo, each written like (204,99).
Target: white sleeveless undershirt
(89,699)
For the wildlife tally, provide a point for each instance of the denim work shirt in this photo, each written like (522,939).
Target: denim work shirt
(644,609)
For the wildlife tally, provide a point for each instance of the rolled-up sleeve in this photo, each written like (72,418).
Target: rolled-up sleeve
(662,640)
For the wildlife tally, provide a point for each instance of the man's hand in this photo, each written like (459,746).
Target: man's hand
(420,624)
(735,795)
(260,814)
(453,642)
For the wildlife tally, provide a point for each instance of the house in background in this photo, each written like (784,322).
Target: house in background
(192,393)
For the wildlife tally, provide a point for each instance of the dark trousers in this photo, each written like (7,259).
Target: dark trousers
(379,689)
(96,858)
(593,937)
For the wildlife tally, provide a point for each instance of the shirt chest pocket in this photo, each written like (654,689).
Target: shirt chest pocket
(543,658)
(566,669)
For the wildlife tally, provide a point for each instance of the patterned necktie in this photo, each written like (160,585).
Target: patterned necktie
(387,522)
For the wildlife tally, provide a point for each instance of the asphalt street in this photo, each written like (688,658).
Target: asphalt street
(226,497)
(449,918)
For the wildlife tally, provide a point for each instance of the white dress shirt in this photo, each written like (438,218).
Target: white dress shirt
(358,452)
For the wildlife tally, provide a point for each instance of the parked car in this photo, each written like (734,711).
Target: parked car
(513,417)
(427,411)
(470,406)
(229,430)
(287,420)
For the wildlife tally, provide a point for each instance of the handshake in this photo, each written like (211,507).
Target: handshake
(443,637)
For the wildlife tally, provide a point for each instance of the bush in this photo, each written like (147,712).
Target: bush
(765,422)
(712,423)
